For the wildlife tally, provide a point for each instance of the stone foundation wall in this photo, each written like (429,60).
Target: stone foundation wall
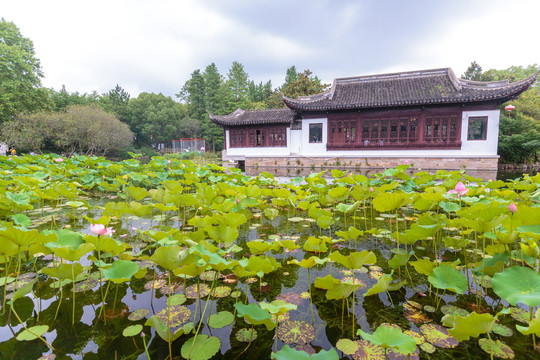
(423,163)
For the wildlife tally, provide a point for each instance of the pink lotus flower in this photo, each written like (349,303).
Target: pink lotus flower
(100,229)
(169,161)
(406,161)
(512,207)
(59,160)
(460,190)
(238,201)
(371,189)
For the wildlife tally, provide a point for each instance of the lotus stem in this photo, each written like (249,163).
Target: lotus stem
(169,316)
(30,331)
(72,292)
(145,348)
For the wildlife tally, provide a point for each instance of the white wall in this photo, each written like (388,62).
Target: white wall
(481,147)
(307,148)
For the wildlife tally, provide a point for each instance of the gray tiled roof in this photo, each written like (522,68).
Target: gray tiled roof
(243,117)
(415,88)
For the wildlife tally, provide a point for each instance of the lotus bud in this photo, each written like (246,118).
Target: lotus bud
(371,189)
(238,201)
(512,207)
(460,187)
(142,334)
(406,162)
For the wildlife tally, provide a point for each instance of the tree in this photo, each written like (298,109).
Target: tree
(236,87)
(302,85)
(154,118)
(290,76)
(79,129)
(20,74)
(62,99)
(116,101)
(214,96)
(473,72)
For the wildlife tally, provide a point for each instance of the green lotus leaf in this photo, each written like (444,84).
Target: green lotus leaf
(454,311)
(200,347)
(518,284)
(381,286)
(64,271)
(258,246)
(355,260)
(107,244)
(492,265)
(138,314)
(22,237)
(534,325)
(221,291)
(32,333)
(287,353)
(423,266)
(7,247)
(295,332)
(139,209)
(169,257)
(474,324)
(136,193)
(399,260)
(448,278)
(296,219)
(277,307)
(387,201)
(341,291)
(449,206)
(496,348)
(194,291)
(121,271)
(132,330)
(326,283)
(255,314)
(264,264)
(325,221)
(271,213)
(68,253)
(390,337)
(246,335)
(348,347)
(309,262)
(222,233)
(504,330)
(348,208)
(21,219)
(115,209)
(177,299)
(220,319)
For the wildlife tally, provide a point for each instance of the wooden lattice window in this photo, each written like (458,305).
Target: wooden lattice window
(384,132)
(441,130)
(238,137)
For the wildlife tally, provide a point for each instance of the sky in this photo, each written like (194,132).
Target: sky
(154,46)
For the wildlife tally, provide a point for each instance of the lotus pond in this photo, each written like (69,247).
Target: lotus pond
(169,260)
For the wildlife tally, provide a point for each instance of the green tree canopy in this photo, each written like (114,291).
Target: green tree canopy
(62,99)
(154,118)
(20,74)
(116,101)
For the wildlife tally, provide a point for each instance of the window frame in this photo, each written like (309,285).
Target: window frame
(481,119)
(312,125)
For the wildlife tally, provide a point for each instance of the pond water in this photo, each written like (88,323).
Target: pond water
(274,246)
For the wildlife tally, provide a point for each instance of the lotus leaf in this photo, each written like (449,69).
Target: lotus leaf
(64,271)
(220,319)
(399,260)
(474,324)
(381,286)
(287,353)
(295,332)
(496,348)
(438,336)
(192,292)
(368,351)
(255,315)
(385,202)
(155,284)
(169,257)
(518,284)
(178,315)
(423,266)
(132,330)
(246,335)
(503,330)
(348,347)
(200,347)
(177,299)
(277,307)
(448,278)
(121,271)
(354,260)
(453,310)
(138,314)
(32,333)
(427,347)
(390,337)
(534,326)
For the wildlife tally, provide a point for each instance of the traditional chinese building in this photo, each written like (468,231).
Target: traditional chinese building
(430,118)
